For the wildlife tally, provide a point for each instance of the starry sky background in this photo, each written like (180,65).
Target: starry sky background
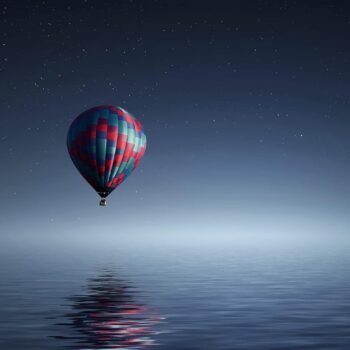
(245,105)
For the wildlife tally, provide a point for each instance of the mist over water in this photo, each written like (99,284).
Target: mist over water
(242,292)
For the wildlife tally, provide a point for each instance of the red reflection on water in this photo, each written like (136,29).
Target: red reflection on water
(107,317)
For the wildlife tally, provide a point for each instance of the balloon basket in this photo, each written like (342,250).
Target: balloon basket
(103,202)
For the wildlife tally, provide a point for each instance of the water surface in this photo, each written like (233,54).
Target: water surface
(219,294)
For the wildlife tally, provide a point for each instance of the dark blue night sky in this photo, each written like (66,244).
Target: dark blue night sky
(245,105)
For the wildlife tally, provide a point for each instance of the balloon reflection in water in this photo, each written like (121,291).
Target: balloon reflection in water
(107,317)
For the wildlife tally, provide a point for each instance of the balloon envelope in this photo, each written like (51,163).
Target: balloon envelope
(106,144)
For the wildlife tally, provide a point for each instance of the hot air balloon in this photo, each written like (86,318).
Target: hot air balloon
(106,144)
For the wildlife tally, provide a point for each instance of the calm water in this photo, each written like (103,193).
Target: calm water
(76,294)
